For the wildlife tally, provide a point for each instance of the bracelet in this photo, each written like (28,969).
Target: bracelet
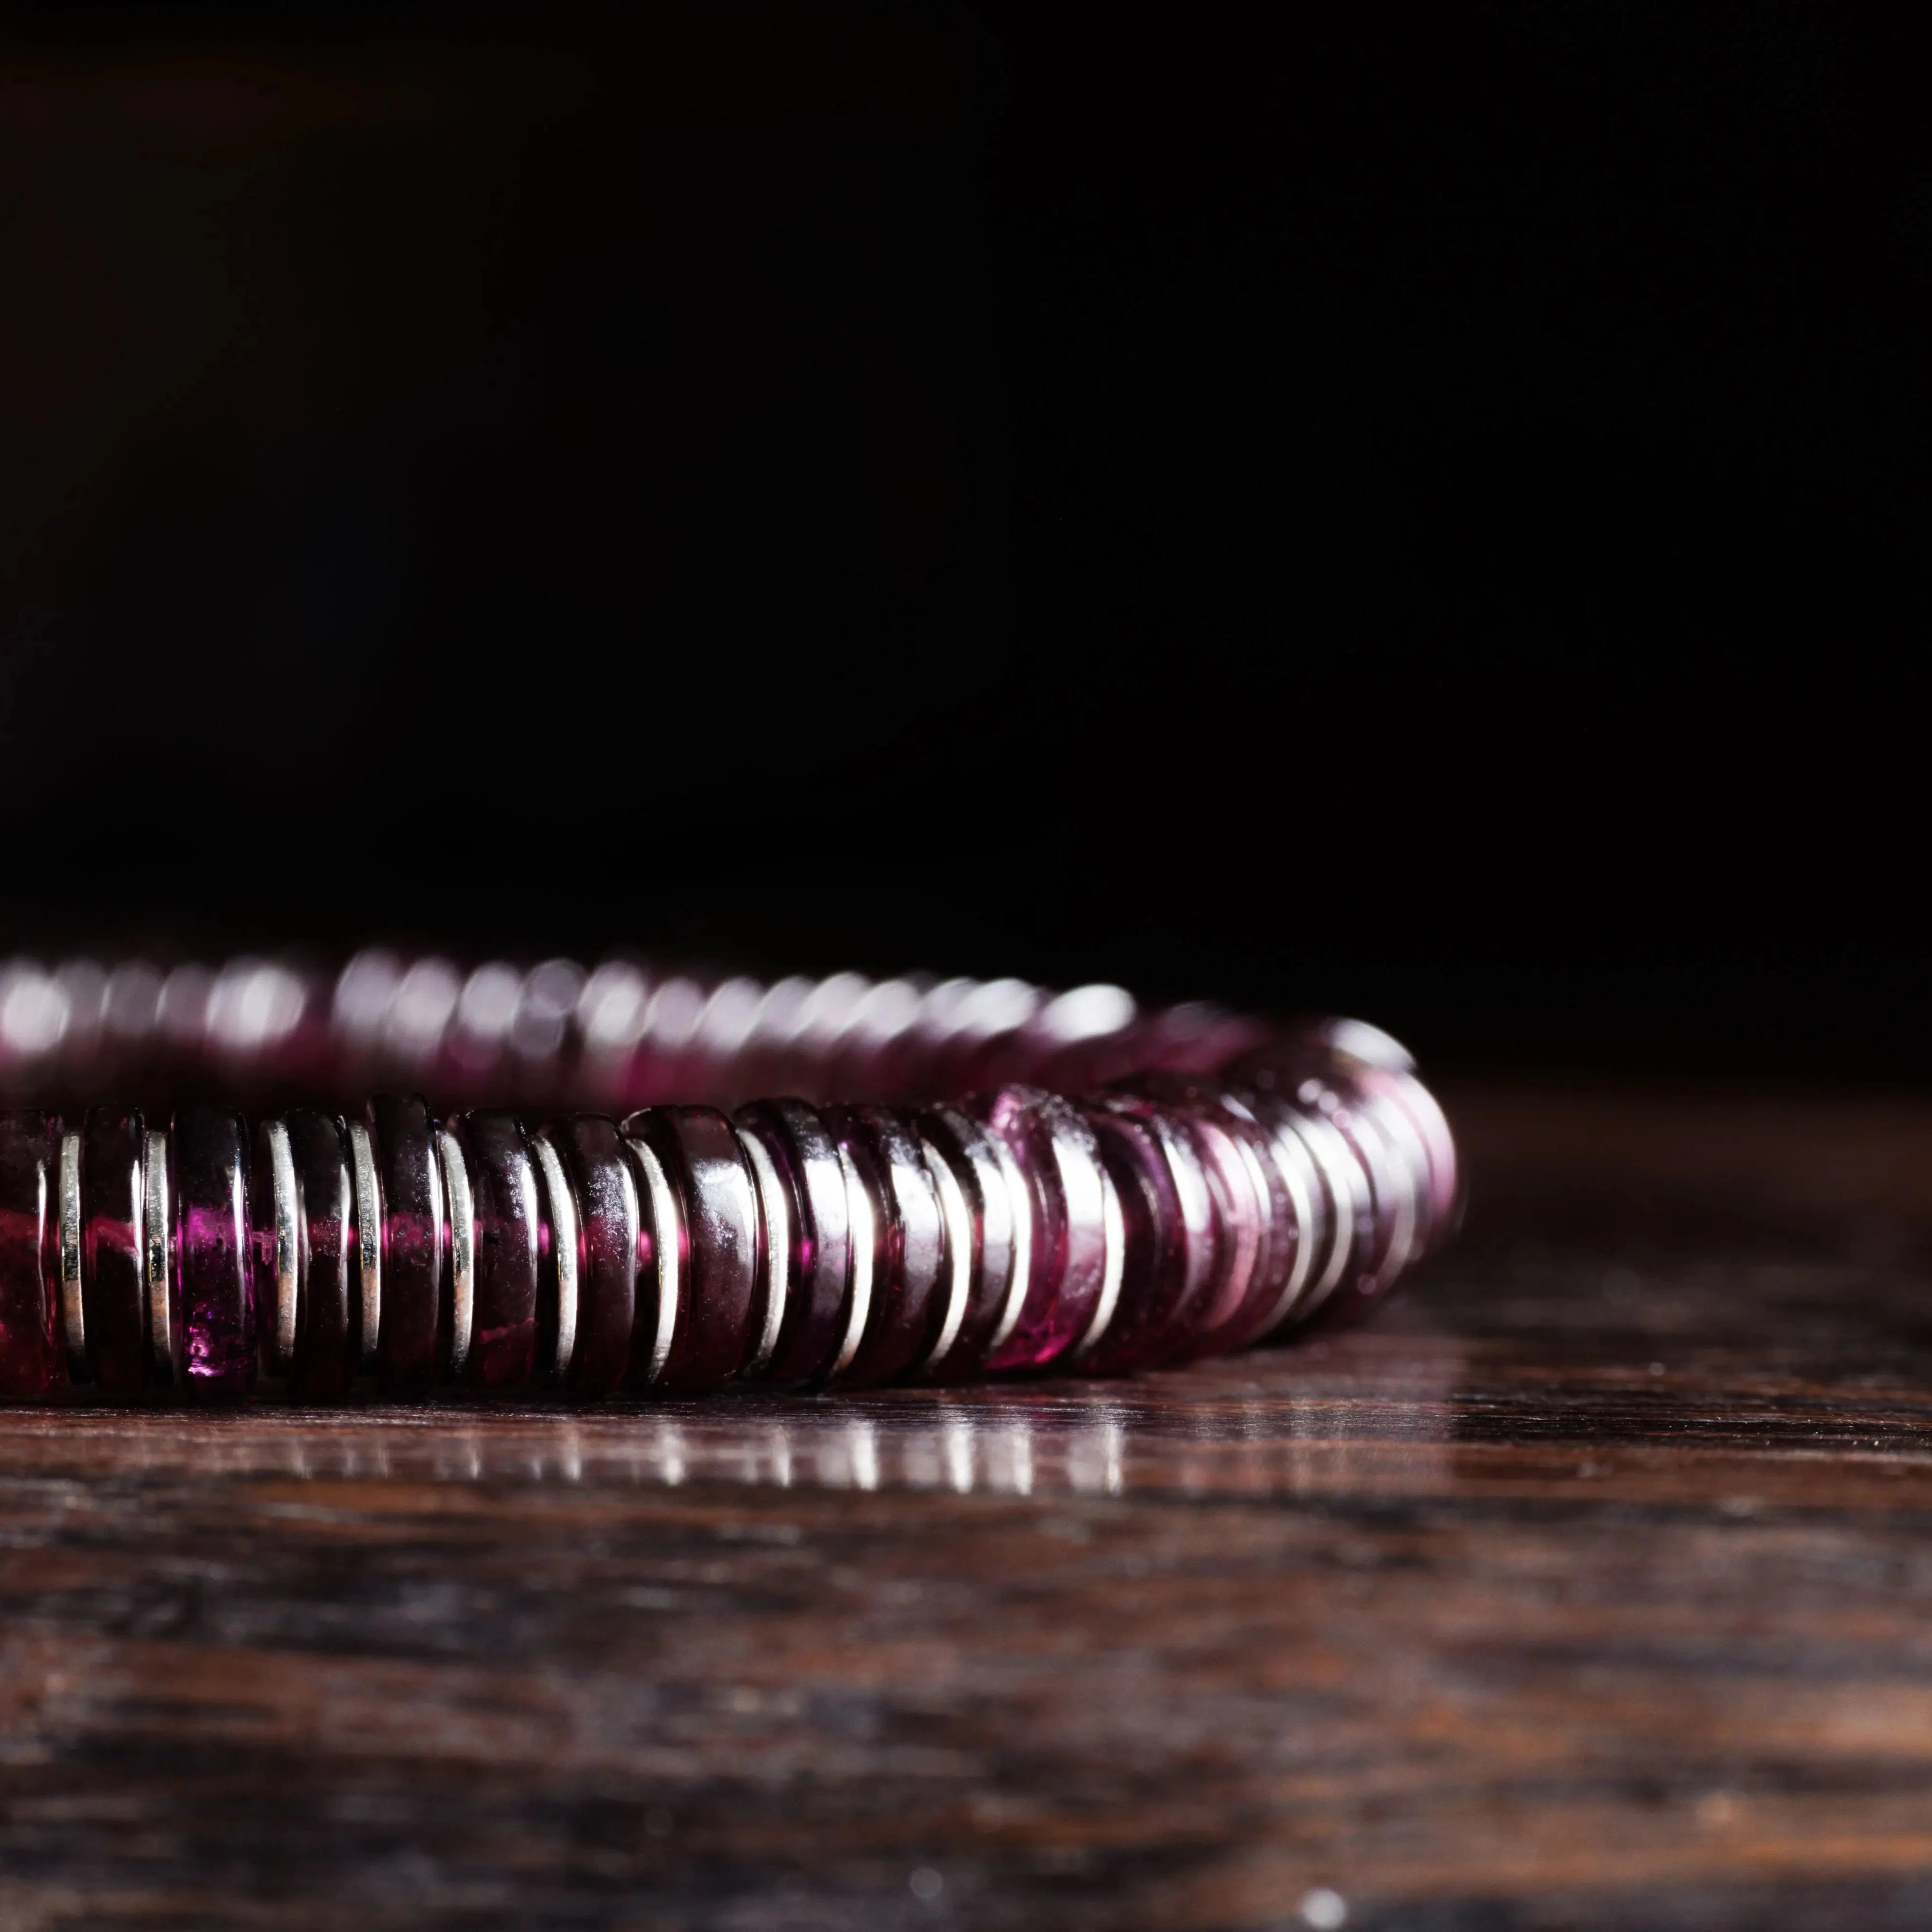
(1103,1189)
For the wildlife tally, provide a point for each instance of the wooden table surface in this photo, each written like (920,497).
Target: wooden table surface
(1590,1586)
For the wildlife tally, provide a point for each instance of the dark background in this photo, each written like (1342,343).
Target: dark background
(1422,511)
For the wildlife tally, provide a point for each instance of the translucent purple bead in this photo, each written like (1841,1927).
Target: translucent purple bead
(30,1352)
(505,1220)
(402,1137)
(907,1247)
(113,1287)
(1302,1209)
(712,1253)
(982,1241)
(1058,1163)
(1170,1239)
(1343,1205)
(1385,1217)
(324,1207)
(604,1194)
(817,1264)
(213,1261)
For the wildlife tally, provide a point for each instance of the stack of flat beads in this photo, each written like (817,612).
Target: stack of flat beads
(1181,1209)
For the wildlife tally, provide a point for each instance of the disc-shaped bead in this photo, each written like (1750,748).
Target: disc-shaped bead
(30,1346)
(114,1292)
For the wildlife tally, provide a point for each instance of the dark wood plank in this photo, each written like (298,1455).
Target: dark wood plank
(1590,1585)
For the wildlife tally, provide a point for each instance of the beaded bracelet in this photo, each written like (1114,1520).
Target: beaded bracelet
(1215,1181)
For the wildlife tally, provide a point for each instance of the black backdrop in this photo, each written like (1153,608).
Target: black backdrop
(1422,512)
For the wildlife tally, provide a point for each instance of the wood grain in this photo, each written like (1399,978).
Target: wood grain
(1590,1586)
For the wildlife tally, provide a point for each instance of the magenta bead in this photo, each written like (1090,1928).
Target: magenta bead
(1404,1167)
(505,1219)
(1059,1161)
(1381,1235)
(1304,1070)
(805,1157)
(907,1246)
(1237,1209)
(1372,1074)
(214,1261)
(1303,1196)
(718,1315)
(1261,1231)
(1396,1092)
(1168,1230)
(30,1349)
(325,1192)
(264,1253)
(604,1191)
(1348,1203)
(113,1283)
(968,1151)
(403,1139)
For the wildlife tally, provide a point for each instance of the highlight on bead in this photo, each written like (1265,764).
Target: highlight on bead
(1024,1182)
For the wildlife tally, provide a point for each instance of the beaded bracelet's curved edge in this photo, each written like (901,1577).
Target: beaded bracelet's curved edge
(1330,1172)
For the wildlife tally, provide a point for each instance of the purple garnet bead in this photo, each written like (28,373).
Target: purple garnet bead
(1169,1237)
(603,1188)
(1058,1162)
(113,1285)
(1259,1231)
(505,1218)
(403,1137)
(30,1356)
(326,1210)
(704,1210)
(214,1264)
(810,1215)
(906,1252)
(1302,1214)
(985,1264)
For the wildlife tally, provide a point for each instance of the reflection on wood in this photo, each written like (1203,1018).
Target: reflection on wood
(1586,1586)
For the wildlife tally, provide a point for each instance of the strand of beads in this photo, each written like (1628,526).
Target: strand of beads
(1167,1216)
(558,1035)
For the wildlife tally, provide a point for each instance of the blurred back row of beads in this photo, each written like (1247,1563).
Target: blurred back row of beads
(616,1034)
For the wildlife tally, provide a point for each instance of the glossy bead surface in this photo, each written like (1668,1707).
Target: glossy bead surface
(1303,1196)
(319,1153)
(1258,1231)
(1407,1161)
(113,1287)
(1241,1179)
(559,1251)
(1385,1229)
(713,1254)
(214,1262)
(1306,1074)
(1347,1205)
(1261,1230)
(1168,1232)
(30,1347)
(402,1137)
(1399,1093)
(985,1244)
(1057,1158)
(604,1189)
(778,1240)
(275,1247)
(1367,1071)
(805,1159)
(504,1225)
(908,1245)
